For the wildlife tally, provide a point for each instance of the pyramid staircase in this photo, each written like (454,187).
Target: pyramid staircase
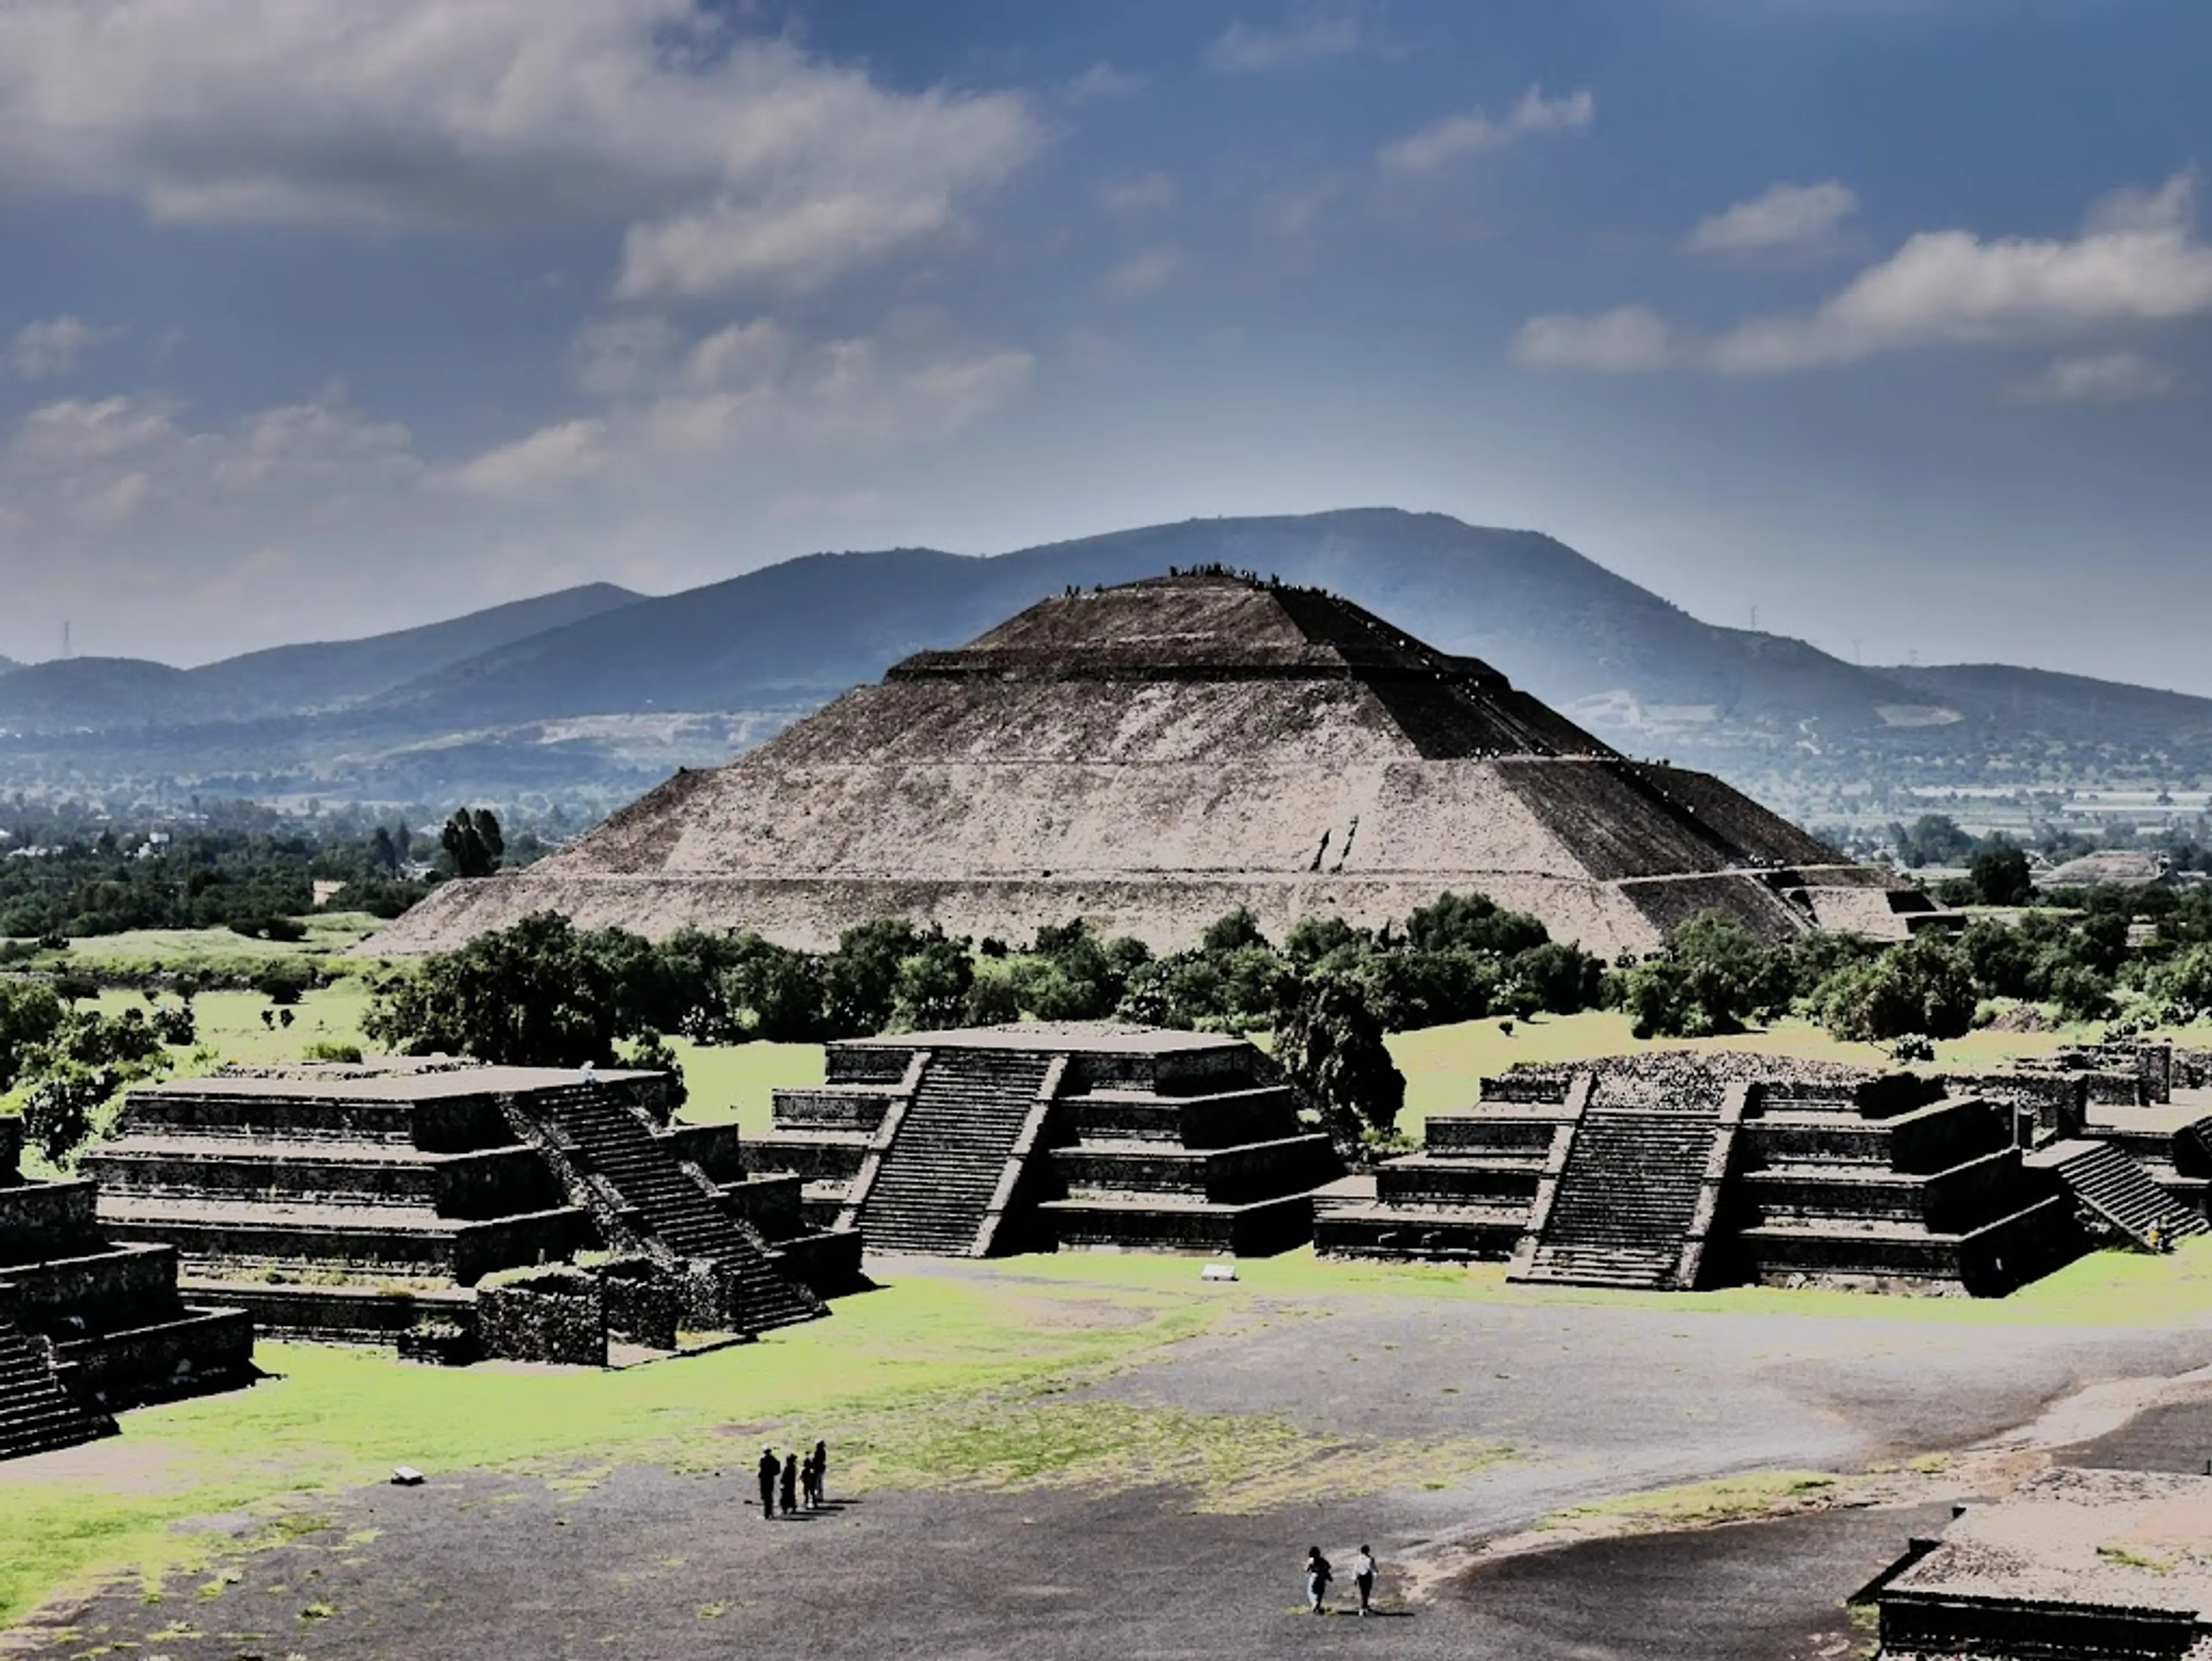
(948,1164)
(2119,1192)
(1627,1204)
(643,1194)
(37,1412)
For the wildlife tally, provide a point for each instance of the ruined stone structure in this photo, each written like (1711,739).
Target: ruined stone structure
(2075,1566)
(363,1203)
(1149,757)
(89,1324)
(1027,1137)
(1675,1170)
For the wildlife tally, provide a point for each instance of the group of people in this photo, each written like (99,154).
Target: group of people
(790,1482)
(1319,1574)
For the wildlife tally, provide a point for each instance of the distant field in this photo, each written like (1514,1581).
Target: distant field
(207,951)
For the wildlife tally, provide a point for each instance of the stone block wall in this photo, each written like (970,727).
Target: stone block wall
(554,1315)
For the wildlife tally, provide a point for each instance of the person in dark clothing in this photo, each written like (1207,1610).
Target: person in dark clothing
(821,1473)
(810,1483)
(790,1483)
(1317,1580)
(767,1470)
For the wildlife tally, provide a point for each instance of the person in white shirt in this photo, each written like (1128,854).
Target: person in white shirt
(1363,1576)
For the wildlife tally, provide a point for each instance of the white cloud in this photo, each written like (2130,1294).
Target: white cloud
(1631,338)
(2135,264)
(754,394)
(1245,48)
(1148,193)
(1475,133)
(1102,80)
(100,463)
(735,159)
(52,348)
(1782,220)
(1142,273)
(540,465)
(2105,377)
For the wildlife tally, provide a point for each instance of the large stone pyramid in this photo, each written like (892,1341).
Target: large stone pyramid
(1152,755)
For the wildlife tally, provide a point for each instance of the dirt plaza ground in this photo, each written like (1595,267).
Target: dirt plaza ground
(1540,1475)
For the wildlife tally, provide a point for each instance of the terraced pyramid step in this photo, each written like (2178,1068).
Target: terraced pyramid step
(37,1414)
(2117,1190)
(956,1144)
(1626,1200)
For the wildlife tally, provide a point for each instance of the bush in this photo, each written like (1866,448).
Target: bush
(283,982)
(1472,922)
(1717,977)
(331,1049)
(30,1015)
(1331,1045)
(651,1054)
(289,930)
(1232,932)
(2000,878)
(58,1111)
(1925,986)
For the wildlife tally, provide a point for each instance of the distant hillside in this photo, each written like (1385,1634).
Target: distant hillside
(9,665)
(1552,620)
(593,693)
(108,693)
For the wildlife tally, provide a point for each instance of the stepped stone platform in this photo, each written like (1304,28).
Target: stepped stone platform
(88,1324)
(364,1202)
(1675,1170)
(1151,755)
(1044,1136)
(2075,1566)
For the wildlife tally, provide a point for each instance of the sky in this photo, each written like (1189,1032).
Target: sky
(1886,321)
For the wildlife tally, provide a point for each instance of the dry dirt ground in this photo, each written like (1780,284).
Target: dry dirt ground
(1592,1401)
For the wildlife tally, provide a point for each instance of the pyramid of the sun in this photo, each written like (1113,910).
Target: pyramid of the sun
(1149,757)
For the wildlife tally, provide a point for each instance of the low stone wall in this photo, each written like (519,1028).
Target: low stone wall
(717,1149)
(552,1315)
(769,1201)
(342,1314)
(103,1286)
(642,1302)
(42,1214)
(197,1351)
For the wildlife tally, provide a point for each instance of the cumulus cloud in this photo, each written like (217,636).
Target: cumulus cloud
(101,463)
(540,465)
(1632,338)
(2103,378)
(756,392)
(1475,133)
(1782,220)
(2136,262)
(1247,48)
(735,161)
(52,348)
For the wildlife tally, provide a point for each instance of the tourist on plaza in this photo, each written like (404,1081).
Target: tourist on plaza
(790,1483)
(810,1483)
(1317,1578)
(821,1473)
(767,1470)
(1363,1576)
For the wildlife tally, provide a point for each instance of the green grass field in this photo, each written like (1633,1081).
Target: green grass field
(211,951)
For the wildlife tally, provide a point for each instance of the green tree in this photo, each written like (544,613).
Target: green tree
(473,842)
(2000,878)
(1924,986)
(931,987)
(1330,1044)
(534,994)
(1472,922)
(30,1015)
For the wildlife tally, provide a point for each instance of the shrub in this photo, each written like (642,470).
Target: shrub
(1924,986)
(650,1053)
(331,1049)
(1472,922)
(285,982)
(1331,1045)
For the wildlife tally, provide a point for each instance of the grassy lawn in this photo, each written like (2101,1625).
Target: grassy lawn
(203,951)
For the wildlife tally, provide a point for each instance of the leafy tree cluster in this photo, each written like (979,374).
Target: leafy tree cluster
(63,1065)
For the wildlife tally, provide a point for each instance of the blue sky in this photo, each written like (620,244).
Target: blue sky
(1887,318)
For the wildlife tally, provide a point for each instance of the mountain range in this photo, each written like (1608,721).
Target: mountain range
(594,691)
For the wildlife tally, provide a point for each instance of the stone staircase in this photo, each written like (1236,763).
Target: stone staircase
(954,1152)
(1626,1200)
(655,1196)
(37,1413)
(2120,1192)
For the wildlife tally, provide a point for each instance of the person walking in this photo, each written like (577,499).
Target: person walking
(767,1471)
(809,1482)
(1363,1576)
(1317,1580)
(790,1483)
(821,1473)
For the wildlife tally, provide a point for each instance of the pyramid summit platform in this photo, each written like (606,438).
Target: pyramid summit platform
(1150,756)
